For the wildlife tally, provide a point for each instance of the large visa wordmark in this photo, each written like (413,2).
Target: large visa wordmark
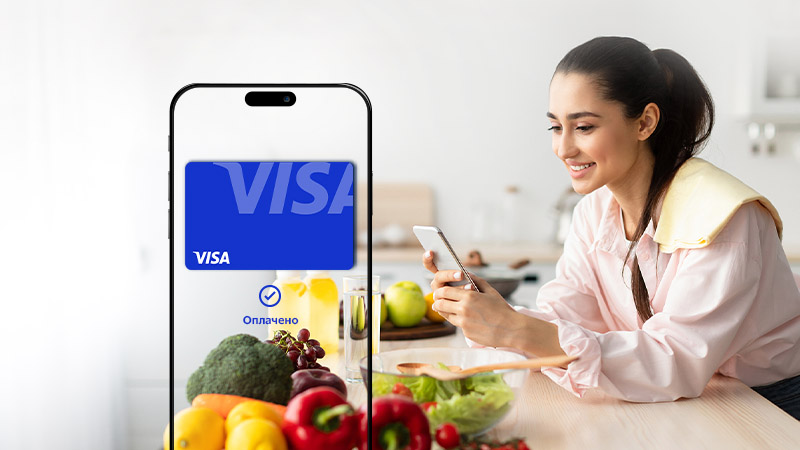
(270,215)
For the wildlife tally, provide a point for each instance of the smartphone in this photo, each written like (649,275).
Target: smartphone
(262,181)
(433,239)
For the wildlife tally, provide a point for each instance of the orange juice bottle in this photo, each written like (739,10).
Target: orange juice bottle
(293,305)
(323,301)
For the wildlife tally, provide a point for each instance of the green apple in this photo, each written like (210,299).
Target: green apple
(405,304)
(384,310)
(358,313)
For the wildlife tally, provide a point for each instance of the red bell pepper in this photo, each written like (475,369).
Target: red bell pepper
(397,424)
(320,418)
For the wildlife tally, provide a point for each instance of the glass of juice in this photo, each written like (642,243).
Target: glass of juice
(354,292)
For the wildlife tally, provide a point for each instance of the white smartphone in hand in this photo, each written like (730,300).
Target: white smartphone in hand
(432,239)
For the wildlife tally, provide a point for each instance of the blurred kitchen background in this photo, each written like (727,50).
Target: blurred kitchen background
(459,92)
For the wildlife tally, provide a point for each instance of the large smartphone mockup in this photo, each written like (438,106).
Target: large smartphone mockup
(263,178)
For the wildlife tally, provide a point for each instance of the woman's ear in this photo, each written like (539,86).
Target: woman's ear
(648,121)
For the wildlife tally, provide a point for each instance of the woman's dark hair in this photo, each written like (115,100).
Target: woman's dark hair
(626,71)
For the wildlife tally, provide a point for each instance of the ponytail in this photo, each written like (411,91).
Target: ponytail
(626,71)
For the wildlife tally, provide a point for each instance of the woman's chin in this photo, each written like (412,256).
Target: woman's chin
(582,187)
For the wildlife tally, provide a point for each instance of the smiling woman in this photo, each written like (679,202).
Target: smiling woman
(673,270)
(638,153)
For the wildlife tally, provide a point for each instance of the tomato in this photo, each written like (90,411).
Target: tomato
(447,435)
(402,389)
(428,405)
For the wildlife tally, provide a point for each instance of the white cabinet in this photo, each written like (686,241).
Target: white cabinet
(776,87)
(773,116)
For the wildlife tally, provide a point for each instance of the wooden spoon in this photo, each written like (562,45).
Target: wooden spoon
(448,375)
(414,368)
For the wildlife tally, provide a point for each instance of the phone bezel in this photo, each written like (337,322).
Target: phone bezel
(171,221)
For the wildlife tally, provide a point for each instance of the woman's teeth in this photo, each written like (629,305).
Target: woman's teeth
(585,166)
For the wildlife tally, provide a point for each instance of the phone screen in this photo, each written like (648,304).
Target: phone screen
(265,220)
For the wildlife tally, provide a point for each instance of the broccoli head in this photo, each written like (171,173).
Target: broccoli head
(242,365)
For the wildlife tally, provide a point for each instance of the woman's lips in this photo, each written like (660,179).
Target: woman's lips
(578,171)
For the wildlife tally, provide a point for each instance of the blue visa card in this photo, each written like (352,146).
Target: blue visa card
(275,215)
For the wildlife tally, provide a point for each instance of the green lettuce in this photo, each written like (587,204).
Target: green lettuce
(448,389)
(472,404)
(423,388)
(483,401)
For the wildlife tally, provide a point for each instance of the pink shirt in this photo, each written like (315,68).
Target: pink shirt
(732,307)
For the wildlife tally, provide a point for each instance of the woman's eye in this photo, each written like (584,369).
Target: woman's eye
(584,128)
(554,128)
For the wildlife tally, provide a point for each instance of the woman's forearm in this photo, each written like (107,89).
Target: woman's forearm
(532,335)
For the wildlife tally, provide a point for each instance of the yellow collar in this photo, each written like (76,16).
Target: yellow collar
(699,203)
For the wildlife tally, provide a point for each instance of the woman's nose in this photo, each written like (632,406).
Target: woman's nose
(565,146)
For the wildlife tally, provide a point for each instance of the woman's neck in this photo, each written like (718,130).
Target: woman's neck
(631,192)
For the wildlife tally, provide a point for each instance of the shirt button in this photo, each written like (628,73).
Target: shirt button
(645,257)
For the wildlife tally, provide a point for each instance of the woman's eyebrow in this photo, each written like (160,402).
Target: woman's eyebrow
(574,116)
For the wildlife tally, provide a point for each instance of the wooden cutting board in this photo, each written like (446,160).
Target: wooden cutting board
(424,330)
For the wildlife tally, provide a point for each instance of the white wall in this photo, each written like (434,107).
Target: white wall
(459,91)
(460,88)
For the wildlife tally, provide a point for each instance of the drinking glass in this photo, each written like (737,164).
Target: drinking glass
(355,296)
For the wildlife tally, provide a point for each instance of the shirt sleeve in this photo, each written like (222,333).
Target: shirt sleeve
(678,349)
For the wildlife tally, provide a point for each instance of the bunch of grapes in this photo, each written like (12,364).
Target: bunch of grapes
(303,351)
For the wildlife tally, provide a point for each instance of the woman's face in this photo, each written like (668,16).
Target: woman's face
(597,143)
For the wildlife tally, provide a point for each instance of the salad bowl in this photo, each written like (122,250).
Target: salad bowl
(474,404)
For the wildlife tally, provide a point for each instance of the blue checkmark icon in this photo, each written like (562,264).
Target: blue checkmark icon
(267,293)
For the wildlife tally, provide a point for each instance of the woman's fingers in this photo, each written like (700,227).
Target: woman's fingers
(442,277)
(487,288)
(482,284)
(483,316)
(427,261)
(446,308)
(449,293)
(452,318)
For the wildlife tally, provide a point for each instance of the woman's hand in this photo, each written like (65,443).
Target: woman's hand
(483,316)
(486,318)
